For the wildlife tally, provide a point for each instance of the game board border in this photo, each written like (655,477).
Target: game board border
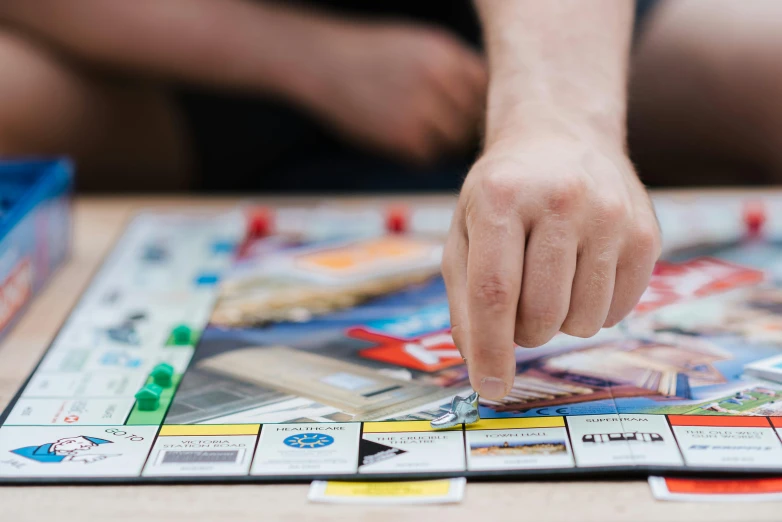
(617,473)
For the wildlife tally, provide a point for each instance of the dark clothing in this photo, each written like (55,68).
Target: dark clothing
(249,143)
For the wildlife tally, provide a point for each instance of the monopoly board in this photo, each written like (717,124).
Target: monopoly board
(203,353)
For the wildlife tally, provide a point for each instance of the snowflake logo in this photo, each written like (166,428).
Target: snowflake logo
(309,440)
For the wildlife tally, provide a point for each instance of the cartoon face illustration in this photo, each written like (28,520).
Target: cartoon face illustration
(72,444)
(64,450)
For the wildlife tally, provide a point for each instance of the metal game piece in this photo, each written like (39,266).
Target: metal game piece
(464,410)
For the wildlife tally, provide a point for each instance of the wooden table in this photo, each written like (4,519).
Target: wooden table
(98,223)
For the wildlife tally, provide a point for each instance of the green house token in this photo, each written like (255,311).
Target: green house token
(148,397)
(181,335)
(163,375)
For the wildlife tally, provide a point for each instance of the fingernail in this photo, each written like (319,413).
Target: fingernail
(493,388)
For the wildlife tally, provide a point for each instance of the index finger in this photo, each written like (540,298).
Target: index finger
(494,270)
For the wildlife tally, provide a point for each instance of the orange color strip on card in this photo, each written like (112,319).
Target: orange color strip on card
(776,422)
(724,487)
(717,420)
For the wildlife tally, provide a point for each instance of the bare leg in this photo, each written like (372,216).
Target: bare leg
(705,104)
(122,135)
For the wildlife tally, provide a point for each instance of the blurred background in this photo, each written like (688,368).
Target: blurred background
(348,95)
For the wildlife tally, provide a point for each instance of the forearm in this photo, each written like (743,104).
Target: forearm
(557,65)
(227,43)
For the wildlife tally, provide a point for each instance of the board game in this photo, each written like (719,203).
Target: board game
(302,343)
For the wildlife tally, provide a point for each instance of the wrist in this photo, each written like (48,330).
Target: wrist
(602,127)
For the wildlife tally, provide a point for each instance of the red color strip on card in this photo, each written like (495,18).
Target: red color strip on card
(716,420)
(724,487)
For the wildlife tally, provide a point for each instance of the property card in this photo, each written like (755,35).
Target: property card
(623,439)
(307,448)
(444,491)
(730,446)
(512,449)
(716,490)
(411,452)
(214,455)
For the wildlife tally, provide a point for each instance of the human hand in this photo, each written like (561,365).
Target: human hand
(407,90)
(552,233)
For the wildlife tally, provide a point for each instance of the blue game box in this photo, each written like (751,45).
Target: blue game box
(35,230)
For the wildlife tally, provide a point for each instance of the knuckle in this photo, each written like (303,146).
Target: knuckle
(502,188)
(565,195)
(646,239)
(611,211)
(493,292)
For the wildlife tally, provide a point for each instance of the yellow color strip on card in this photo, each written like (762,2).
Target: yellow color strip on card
(400,426)
(413,488)
(526,422)
(209,429)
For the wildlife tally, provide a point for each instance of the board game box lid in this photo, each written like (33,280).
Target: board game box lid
(34,229)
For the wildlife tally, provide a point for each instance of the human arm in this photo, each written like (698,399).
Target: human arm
(397,87)
(553,230)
